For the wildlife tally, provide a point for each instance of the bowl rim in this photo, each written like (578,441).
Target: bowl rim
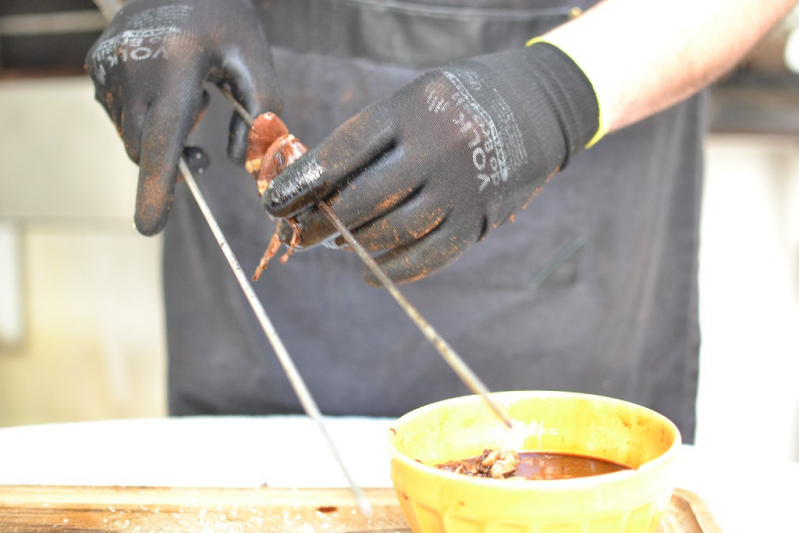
(545,484)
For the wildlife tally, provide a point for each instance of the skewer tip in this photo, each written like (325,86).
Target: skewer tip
(363,503)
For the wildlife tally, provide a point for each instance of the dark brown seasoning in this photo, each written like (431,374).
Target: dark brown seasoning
(280,154)
(531,465)
(266,128)
(271,148)
(271,251)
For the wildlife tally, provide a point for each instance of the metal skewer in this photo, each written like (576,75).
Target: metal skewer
(109,8)
(294,377)
(458,365)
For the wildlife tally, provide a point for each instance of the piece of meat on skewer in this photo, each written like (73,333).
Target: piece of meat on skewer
(270,150)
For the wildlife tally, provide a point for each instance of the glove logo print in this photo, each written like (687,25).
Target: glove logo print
(144,41)
(436,103)
(488,151)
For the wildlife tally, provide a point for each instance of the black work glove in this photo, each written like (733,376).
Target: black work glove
(149,68)
(431,169)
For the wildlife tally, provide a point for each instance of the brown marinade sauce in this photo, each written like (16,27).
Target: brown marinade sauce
(536,466)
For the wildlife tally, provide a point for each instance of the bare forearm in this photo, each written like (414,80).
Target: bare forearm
(644,55)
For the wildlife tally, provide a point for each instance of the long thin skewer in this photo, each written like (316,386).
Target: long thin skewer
(451,357)
(294,377)
(458,365)
(109,8)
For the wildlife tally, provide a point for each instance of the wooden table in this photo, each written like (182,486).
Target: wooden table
(143,509)
(116,509)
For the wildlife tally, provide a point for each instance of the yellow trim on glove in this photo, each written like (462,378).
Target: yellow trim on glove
(604,124)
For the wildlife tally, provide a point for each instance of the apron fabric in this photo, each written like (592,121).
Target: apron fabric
(592,288)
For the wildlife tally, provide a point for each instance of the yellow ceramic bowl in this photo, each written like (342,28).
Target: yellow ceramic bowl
(629,501)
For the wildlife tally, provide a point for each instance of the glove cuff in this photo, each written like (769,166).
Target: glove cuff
(584,108)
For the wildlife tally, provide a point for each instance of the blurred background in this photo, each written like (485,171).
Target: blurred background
(81,320)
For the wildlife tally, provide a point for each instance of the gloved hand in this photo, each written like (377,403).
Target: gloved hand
(149,68)
(430,170)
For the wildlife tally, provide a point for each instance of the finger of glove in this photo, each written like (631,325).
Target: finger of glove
(424,257)
(254,87)
(107,96)
(407,223)
(323,229)
(373,192)
(113,107)
(163,136)
(132,124)
(329,166)
(205,102)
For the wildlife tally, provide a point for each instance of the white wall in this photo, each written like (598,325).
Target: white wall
(91,286)
(749,290)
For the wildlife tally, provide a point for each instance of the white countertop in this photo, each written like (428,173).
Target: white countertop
(744,494)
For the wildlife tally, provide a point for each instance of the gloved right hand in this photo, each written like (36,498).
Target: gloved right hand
(149,67)
(428,171)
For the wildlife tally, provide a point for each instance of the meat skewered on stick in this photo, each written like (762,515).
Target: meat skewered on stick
(269,136)
(270,150)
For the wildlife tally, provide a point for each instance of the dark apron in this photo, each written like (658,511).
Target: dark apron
(592,288)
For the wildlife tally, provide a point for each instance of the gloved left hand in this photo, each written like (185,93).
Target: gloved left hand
(431,169)
(149,69)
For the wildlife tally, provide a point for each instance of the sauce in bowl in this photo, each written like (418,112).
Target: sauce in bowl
(531,465)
